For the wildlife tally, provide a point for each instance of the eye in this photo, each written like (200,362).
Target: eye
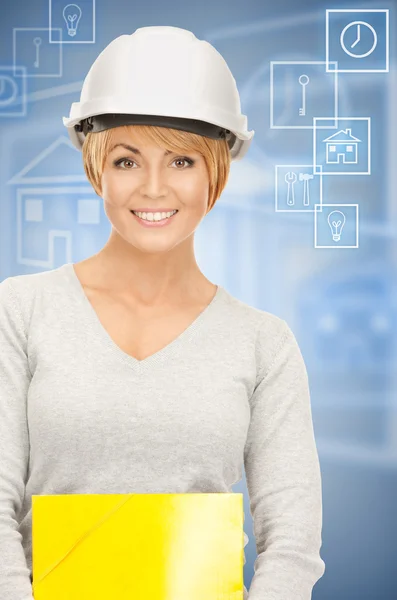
(117,163)
(185,159)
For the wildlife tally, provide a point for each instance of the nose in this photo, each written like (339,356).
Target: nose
(154,183)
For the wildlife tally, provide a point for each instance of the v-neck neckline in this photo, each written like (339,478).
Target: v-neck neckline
(161,355)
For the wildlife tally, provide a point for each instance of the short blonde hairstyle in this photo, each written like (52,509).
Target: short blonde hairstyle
(216,153)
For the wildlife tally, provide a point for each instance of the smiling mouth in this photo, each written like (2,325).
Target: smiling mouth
(153,220)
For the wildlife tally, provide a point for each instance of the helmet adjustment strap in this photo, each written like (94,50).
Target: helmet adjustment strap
(107,121)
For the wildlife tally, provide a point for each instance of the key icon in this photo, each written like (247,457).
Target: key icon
(303,80)
(37,42)
(290,179)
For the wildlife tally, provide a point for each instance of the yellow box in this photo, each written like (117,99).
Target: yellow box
(138,546)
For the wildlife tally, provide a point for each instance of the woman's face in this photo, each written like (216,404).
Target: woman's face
(139,175)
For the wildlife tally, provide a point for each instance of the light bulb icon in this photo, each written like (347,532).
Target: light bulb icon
(72,15)
(336,221)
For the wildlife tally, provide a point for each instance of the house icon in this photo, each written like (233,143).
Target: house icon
(342,147)
(50,201)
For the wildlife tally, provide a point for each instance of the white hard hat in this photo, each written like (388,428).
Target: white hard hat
(162,76)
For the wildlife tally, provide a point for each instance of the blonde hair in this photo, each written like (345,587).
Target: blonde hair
(216,153)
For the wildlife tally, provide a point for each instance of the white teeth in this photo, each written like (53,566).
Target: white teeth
(157,216)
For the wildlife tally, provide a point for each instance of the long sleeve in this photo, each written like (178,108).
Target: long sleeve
(15,377)
(284,478)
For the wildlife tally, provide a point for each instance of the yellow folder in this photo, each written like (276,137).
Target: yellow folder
(138,546)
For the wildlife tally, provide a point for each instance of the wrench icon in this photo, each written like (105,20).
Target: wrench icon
(290,179)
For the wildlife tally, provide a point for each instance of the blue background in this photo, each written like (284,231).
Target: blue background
(341,303)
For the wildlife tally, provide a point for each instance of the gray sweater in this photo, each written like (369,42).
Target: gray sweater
(80,416)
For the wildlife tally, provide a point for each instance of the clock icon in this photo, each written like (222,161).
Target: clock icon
(358,39)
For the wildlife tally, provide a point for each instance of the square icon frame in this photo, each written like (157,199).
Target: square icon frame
(295,210)
(14,51)
(319,208)
(23,95)
(301,62)
(315,128)
(351,11)
(93,41)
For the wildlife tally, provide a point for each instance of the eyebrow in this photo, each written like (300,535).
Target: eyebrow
(135,150)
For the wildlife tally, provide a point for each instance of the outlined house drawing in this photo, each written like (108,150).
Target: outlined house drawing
(50,190)
(342,147)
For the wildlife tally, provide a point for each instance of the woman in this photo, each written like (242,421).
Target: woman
(130,371)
